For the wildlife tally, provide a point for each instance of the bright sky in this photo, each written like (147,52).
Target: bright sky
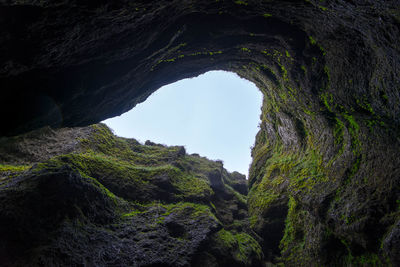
(215,115)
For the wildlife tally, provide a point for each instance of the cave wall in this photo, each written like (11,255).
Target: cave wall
(324,182)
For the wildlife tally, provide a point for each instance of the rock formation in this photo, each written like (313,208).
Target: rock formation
(324,182)
(101,200)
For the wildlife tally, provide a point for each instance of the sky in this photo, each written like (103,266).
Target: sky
(215,115)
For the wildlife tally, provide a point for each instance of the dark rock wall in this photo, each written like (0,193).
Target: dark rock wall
(324,183)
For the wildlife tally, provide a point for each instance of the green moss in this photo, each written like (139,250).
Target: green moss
(152,184)
(354,129)
(277,55)
(303,172)
(159,211)
(180,46)
(266,52)
(373,123)
(78,163)
(206,53)
(293,243)
(242,246)
(199,166)
(349,257)
(240,197)
(363,103)
(314,60)
(247,246)
(97,164)
(102,140)
(353,124)
(240,2)
(304,69)
(104,144)
(173,59)
(12,169)
(260,201)
(312,40)
(322,8)
(214,53)
(213,206)
(132,213)
(327,73)
(322,50)
(284,73)
(258,163)
(225,239)
(356,146)
(368,260)
(196,210)
(114,171)
(338,135)
(371,259)
(191,187)
(289,234)
(327,100)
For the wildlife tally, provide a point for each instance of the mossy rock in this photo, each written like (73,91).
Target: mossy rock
(144,205)
(236,249)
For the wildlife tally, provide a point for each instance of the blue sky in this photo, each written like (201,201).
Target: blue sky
(215,115)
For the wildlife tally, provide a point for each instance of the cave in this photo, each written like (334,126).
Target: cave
(323,186)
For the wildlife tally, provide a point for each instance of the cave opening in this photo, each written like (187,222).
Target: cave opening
(216,115)
(323,186)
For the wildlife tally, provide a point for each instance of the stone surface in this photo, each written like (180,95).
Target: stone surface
(324,182)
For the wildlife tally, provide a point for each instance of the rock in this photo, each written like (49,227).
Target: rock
(37,204)
(239,182)
(149,143)
(391,243)
(107,204)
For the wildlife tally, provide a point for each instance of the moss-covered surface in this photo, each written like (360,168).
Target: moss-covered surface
(9,171)
(6,170)
(244,249)
(124,194)
(316,188)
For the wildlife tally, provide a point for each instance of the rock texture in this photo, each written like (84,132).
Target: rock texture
(324,182)
(114,202)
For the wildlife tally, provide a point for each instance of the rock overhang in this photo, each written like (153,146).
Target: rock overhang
(327,151)
(69,64)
